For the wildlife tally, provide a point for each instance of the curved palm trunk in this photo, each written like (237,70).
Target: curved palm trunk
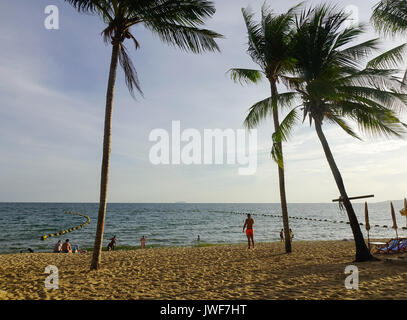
(281,179)
(97,249)
(362,252)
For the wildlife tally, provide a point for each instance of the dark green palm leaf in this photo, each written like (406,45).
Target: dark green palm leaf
(264,108)
(245,75)
(390,16)
(389,59)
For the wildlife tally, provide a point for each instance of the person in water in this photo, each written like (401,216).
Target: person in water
(248,224)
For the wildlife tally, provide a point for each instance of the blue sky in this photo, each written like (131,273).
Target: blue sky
(52,100)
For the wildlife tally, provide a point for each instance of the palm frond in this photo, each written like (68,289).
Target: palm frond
(264,108)
(192,13)
(101,7)
(361,50)
(130,72)
(245,76)
(389,59)
(390,17)
(342,123)
(286,126)
(276,154)
(186,38)
(255,38)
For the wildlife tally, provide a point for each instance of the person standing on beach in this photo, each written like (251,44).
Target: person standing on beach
(248,224)
(282,235)
(143,242)
(291,234)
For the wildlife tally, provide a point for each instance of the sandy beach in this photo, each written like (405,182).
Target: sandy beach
(314,270)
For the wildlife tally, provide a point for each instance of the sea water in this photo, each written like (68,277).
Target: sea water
(179,224)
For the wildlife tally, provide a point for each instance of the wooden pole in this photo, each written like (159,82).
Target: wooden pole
(354,198)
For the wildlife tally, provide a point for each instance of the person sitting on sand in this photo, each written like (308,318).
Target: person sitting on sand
(58,247)
(249,230)
(143,242)
(66,247)
(112,244)
(282,235)
(75,248)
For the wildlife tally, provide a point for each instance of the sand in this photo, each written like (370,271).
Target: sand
(314,270)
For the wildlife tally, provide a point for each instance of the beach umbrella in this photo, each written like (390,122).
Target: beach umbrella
(367,225)
(393,216)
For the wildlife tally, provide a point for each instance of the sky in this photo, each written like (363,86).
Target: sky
(52,101)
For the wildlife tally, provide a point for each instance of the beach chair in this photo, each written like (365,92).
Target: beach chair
(391,246)
(403,245)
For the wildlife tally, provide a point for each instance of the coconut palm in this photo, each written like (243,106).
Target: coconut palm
(337,83)
(176,22)
(269,46)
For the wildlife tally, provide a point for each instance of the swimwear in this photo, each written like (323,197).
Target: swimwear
(249,232)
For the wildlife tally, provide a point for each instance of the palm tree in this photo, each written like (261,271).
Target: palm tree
(336,82)
(176,22)
(270,47)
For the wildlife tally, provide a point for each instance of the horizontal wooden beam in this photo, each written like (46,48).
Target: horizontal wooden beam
(354,198)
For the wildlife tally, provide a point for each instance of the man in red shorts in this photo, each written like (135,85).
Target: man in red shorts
(249,230)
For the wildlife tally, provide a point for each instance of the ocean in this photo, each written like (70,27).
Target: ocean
(179,224)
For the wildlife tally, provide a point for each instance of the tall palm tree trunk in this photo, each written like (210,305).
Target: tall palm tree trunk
(362,252)
(97,249)
(281,177)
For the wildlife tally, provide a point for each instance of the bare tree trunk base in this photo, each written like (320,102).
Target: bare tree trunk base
(366,258)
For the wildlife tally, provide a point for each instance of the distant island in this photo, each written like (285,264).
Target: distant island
(180,202)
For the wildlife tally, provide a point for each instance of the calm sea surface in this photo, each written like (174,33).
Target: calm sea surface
(179,224)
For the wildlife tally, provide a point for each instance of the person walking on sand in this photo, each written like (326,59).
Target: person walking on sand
(143,242)
(248,224)
(282,235)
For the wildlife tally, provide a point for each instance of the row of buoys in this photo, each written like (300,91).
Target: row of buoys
(300,218)
(60,233)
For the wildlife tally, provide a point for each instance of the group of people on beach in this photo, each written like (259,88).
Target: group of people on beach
(66,247)
(248,225)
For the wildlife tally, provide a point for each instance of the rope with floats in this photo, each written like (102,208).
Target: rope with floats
(59,233)
(300,218)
